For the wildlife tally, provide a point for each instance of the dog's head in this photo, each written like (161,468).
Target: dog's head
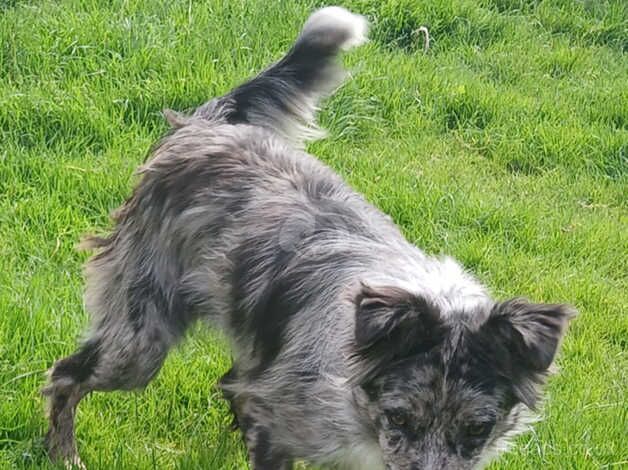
(445,393)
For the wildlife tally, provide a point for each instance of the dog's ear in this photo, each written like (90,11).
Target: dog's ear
(392,319)
(525,338)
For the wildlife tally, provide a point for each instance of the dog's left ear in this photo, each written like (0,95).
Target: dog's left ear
(525,338)
(396,321)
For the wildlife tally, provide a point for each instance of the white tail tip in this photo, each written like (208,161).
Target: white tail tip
(337,18)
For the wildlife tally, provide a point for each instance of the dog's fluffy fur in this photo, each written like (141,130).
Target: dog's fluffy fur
(353,348)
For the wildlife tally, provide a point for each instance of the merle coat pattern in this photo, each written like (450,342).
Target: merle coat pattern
(353,348)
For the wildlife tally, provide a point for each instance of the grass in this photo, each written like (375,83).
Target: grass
(506,146)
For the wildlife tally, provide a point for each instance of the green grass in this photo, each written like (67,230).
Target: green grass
(506,146)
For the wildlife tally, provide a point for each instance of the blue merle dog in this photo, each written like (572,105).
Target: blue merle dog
(353,348)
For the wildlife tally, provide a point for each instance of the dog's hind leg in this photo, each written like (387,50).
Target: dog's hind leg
(64,394)
(117,356)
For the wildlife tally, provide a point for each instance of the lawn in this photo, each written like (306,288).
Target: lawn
(505,145)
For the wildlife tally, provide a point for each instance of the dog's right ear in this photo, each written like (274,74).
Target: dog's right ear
(395,322)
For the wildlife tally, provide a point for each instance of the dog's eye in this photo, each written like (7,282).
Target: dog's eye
(478,429)
(397,418)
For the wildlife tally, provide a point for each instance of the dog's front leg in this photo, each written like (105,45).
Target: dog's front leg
(263,454)
(251,416)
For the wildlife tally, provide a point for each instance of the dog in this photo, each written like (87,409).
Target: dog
(352,347)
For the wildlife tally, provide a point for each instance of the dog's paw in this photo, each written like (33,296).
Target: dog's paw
(74,463)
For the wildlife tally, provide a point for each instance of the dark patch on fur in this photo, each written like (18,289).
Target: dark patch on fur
(80,365)
(266,456)
(144,294)
(298,72)
(518,344)
(262,449)
(141,291)
(265,311)
(393,324)
(401,374)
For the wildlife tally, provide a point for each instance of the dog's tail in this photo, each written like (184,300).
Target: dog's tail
(285,96)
